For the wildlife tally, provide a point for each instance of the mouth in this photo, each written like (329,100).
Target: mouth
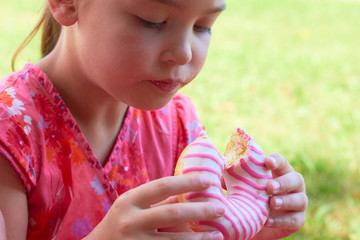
(166,85)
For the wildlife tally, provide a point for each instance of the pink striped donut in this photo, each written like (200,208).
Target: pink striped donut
(243,169)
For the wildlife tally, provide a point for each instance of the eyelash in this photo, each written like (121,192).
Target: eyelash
(152,25)
(201,29)
(160,25)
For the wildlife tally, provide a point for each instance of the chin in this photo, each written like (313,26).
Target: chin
(152,104)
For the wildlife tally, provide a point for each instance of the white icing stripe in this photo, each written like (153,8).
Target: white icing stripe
(242,215)
(257,196)
(217,225)
(245,180)
(256,162)
(202,169)
(246,203)
(263,210)
(252,172)
(206,156)
(256,211)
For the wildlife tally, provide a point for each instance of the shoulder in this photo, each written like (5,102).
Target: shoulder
(187,116)
(21,121)
(178,113)
(188,123)
(19,88)
(162,134)
(181,101)
(183,107)
(25,92)
(29,72)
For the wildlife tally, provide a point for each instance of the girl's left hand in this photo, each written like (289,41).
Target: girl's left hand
(288,203)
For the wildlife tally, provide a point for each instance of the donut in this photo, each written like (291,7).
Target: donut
(242,168)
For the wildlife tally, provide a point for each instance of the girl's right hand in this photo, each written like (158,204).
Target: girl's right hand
(134,216)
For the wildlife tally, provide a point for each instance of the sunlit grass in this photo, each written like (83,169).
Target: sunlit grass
(288,71)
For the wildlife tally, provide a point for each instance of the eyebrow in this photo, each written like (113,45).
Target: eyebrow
(175,3)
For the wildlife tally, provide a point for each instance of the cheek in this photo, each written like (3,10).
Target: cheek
(116,51)
(200,53)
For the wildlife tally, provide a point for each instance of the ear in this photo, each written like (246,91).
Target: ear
(65,12)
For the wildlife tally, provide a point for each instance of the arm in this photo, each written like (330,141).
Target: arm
(289,201)
(2,227)
(13,204)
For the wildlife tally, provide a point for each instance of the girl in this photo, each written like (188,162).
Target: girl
(90,134)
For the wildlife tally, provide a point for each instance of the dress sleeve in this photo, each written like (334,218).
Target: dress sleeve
(188,122)
(15,146)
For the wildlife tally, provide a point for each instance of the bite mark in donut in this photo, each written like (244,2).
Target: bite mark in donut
(245,177)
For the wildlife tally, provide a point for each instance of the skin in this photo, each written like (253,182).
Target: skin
(116,52)
(13,203)
(289,201)
(133,47)
(2,227)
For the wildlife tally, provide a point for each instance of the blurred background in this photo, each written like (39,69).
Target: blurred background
(288,71)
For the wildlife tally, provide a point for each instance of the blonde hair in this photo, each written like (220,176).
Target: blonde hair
(49,36)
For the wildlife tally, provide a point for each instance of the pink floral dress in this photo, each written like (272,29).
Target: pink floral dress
(68,190)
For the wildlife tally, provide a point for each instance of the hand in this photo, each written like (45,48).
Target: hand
(289,201)
(177,228)
(137,213)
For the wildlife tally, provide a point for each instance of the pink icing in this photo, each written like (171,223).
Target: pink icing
(245,180)
(256,162)
(257,196)
(252,172)
(204,155)
(201,169)
(246,202)
(255,150)
(216,225)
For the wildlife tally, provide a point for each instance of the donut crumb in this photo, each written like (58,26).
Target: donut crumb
(237,147)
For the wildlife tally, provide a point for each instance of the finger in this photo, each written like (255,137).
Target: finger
(288,183)
(179,213)
(291,221)
(178,228)
(291,202)
(185,236)
(278,165)
(169,200)
(156,191)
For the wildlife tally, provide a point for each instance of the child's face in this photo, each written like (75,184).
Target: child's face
(142,52)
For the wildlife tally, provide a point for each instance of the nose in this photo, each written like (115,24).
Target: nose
(178,49)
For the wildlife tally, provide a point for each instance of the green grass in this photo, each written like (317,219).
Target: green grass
(288,71)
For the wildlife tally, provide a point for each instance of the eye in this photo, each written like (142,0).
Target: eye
(152,25)
(201,29)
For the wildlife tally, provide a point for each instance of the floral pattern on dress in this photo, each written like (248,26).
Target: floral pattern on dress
(81,227)
(68,190)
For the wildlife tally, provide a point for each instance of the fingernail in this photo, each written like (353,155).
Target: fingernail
(273,160)
(205,181)
(276,186)
(216,236)
(278,203)
(270,222)
(219,209)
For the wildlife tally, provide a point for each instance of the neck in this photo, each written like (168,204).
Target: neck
(98,115)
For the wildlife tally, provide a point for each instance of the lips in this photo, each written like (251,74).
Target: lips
(166,85)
